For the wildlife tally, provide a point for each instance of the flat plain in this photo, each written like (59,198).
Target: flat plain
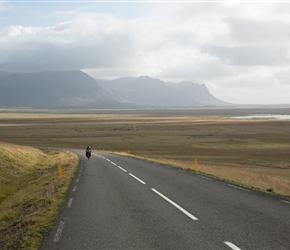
(251,152)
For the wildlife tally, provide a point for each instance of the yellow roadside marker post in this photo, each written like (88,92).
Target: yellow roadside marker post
(59,170)
(195,165)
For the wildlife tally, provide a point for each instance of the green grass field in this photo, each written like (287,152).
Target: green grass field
(251,152)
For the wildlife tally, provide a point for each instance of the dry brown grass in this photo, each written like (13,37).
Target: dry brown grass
(263,179)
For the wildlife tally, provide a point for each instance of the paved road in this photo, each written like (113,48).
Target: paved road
(117,202)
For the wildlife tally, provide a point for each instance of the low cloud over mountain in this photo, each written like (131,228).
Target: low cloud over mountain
(75,89)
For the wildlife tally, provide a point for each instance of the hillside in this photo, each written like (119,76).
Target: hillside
(75,89)
(147,91)
(65,89)
(30,192)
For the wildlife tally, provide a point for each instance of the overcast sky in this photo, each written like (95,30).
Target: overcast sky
(239,49)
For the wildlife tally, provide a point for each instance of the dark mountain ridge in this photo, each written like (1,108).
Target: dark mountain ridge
(147,91)
(64,89)
(75,89)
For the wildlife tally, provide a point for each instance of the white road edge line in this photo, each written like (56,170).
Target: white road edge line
(122,169)
(231,245)
(75,188)
(69,202)
(239,188)
(59,231)
(137,178)
(203,177)
(288,202)
(174,204)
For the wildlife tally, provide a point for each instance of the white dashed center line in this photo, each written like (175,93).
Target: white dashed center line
(137,178)
(122,169)
(174,204)
(231,245)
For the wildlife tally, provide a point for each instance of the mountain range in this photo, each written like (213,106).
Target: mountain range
(76,89)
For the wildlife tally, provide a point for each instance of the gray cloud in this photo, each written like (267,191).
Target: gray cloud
(262,54)
(71,45)
(244,31)
(43,56)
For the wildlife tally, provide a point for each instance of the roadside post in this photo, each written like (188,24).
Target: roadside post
(195,165)
(59,170)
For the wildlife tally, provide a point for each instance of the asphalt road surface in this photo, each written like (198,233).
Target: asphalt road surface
(118,202)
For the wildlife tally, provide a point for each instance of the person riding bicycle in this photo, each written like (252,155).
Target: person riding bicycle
(88,151)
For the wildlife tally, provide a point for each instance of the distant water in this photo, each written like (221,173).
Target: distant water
(264,116)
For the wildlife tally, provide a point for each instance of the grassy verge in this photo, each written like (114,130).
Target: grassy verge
(30,192)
